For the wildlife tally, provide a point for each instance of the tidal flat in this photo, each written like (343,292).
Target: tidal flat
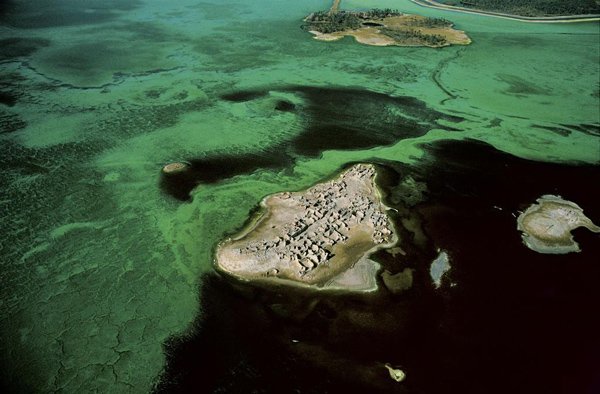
(107,281)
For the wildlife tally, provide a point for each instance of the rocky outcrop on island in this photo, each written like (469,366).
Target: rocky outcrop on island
(547,225)
(320,237)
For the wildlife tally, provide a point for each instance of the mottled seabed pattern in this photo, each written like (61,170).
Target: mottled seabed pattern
(106,278)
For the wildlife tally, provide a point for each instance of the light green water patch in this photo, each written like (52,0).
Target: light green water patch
(93,55)
(276,50)
(406,151)
(529,85)
(399,73)
(307,171)
(63,230)
(93,301)
(520,139)
(47,131)
(529,80)
(159,88)
(102,294)
(68,115)
(75,62)
(227,128)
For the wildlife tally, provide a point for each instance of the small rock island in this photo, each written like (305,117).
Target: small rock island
(383,28)
(320,238)
(547,225)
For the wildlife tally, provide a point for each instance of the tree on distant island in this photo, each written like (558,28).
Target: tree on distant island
(326,22)
(376,13)
(412,34)
(330,22)
(432,22)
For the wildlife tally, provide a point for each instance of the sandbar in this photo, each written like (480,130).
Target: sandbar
(547,225)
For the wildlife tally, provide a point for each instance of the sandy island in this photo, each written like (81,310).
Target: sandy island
(389,32)
(383,28)
(320,238)
(547,225)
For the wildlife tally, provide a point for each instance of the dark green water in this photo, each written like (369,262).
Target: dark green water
(106,280)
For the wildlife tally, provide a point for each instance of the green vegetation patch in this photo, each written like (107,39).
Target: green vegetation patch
(416,36)
(432,22)
(330,22)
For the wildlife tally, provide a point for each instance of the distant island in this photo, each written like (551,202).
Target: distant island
(320,238)
(383,27)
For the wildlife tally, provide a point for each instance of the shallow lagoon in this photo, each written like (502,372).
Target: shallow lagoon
(100,266)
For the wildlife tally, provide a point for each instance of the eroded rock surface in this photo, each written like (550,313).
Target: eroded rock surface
(320,237)
(547,225)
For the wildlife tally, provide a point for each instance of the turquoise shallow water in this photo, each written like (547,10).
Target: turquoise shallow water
(99,266)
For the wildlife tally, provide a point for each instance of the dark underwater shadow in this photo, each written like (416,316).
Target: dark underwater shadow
(524,315)
(332,118)
(275,341)
(54,13)
(506,319)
